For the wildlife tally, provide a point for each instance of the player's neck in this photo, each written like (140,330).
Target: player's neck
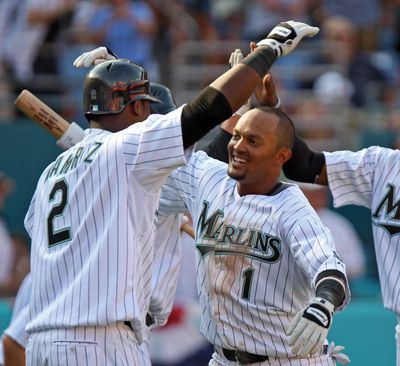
(266,190)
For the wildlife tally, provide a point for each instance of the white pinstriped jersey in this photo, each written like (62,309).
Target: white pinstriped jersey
(371,178)
(166,266)
(91,221)
(258,256)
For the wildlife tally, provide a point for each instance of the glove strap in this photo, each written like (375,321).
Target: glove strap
(282,33)
(318,313)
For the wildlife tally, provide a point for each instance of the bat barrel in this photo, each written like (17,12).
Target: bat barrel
(41,113)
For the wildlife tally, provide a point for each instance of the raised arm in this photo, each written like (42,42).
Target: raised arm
(233,88)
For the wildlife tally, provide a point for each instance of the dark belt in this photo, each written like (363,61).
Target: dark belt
(243,357)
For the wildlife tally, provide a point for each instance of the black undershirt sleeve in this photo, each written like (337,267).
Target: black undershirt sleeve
(199,116)
(217,148)
(305,164)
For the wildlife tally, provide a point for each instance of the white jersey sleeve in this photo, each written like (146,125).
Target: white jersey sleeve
(16,329)
(153,148)
(20,314)
(351,174)
(370,178)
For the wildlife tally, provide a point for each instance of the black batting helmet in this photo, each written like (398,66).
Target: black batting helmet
(110,86)
(162,93)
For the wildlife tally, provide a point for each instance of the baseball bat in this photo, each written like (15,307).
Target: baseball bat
(41,113)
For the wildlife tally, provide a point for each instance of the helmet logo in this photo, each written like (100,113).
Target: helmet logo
(93,94)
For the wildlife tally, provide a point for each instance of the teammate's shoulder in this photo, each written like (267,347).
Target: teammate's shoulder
(157,122)
(203,157)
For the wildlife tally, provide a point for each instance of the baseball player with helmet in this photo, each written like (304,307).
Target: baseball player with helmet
(167,256)
(369,178)
(91,219)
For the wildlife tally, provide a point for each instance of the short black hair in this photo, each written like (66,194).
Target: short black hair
(285,129)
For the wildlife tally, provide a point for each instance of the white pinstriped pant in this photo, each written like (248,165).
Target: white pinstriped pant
(322,360)
(87,346)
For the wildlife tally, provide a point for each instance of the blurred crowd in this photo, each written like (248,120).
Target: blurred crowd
(341,87)
(14,246)
(352,64)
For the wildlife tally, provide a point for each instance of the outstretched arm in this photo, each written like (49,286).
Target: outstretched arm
(218,101)
(264,94)
(232,89)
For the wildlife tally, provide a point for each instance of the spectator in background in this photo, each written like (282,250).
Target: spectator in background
(30,45)
(365,15)
(128,28)
(7,252)
(228,16)
(371,75)
(262,15)
(20,265)
(200,10)
(78,40)
(347,241)
(8,9)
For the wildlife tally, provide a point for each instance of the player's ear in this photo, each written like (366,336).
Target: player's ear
(136,107)
(284,154)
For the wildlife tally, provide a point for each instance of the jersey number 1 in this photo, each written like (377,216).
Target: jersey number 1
(247,275)
(60,236)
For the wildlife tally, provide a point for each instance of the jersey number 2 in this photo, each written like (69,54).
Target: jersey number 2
(60,236)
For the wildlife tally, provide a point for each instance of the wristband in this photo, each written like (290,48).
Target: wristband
(260,60)
(71,136)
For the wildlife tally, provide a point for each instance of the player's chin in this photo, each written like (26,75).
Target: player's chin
(235,173)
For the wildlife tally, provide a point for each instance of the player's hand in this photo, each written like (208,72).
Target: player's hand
(336,353)
(309,328)
(94,57)
(286,35)
(235,58)
(265,93)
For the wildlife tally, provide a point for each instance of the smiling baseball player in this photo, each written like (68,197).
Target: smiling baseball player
(91,219)
(269,277)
